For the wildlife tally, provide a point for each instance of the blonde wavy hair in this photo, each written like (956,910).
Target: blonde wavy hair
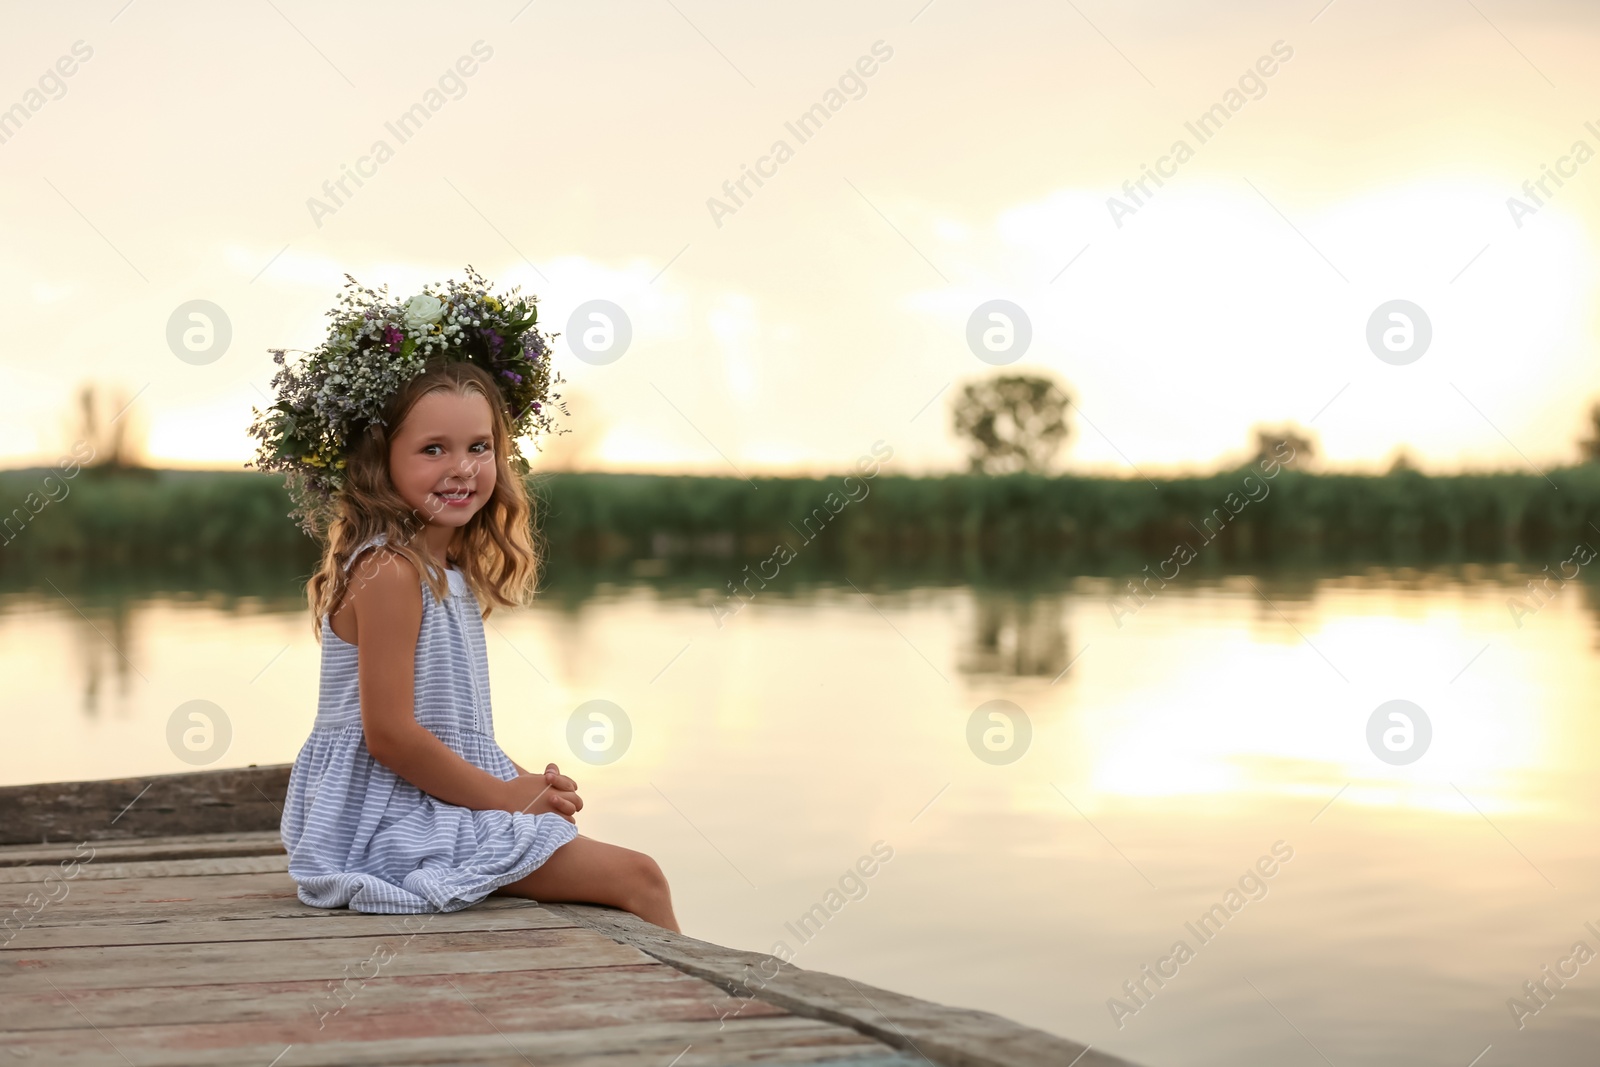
(495,550)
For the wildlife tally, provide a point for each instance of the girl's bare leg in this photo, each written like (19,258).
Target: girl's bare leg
(586,871)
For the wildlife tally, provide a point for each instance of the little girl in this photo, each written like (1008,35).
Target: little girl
(401,800)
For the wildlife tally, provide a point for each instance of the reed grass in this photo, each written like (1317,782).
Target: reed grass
(194,515)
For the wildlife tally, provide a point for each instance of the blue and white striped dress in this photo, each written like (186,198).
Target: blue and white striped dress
(360,836)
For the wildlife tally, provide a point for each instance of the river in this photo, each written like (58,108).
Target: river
(1023,800)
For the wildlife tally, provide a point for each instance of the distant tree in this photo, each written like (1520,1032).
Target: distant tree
(106,424)
(1289,446)
(1011,422)
(1402,461)
(1589,447)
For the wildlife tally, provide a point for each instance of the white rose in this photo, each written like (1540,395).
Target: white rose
(422,311)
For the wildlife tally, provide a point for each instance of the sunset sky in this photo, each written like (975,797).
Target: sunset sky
(829,307)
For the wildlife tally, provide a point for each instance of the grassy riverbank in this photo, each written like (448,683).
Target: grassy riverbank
(188,515)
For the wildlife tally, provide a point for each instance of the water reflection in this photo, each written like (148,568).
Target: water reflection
(1169,750)
(1017,634)
(97,648)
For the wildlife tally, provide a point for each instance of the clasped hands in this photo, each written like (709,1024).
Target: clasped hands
(550,791)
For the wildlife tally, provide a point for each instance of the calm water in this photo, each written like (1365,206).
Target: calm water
(1153,766)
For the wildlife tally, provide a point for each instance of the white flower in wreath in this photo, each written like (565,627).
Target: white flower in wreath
(422,311)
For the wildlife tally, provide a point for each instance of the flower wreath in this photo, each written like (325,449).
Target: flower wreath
(373,348)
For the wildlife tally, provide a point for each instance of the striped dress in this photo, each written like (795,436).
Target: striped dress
(360,836)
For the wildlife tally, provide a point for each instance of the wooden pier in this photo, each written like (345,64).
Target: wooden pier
(152,921)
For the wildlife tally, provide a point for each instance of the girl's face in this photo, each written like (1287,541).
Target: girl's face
(441,459)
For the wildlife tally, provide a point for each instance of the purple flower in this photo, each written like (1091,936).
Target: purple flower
(514,377)
(393,338)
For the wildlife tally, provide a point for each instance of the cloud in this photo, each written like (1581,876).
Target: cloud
(1214,309)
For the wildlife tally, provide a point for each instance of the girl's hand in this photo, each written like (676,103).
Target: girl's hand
(551,791)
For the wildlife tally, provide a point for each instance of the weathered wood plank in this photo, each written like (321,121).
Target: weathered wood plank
(775,1040)
(176,899)
(275,906)
(163,847)
(336,924)
(960,1037)
(97,869)
(151,899)
(567,999)
(466,952)
(238,800)
(248,885)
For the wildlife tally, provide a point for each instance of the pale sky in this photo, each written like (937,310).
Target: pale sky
(830,307)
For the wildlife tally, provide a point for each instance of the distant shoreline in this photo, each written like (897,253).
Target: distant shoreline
(149,514)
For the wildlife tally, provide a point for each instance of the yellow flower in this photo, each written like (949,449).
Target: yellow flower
(339,466)
(494,305)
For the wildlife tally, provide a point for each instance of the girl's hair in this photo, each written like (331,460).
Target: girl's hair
(494,550)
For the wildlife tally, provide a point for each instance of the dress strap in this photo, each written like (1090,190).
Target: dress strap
(376,539)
